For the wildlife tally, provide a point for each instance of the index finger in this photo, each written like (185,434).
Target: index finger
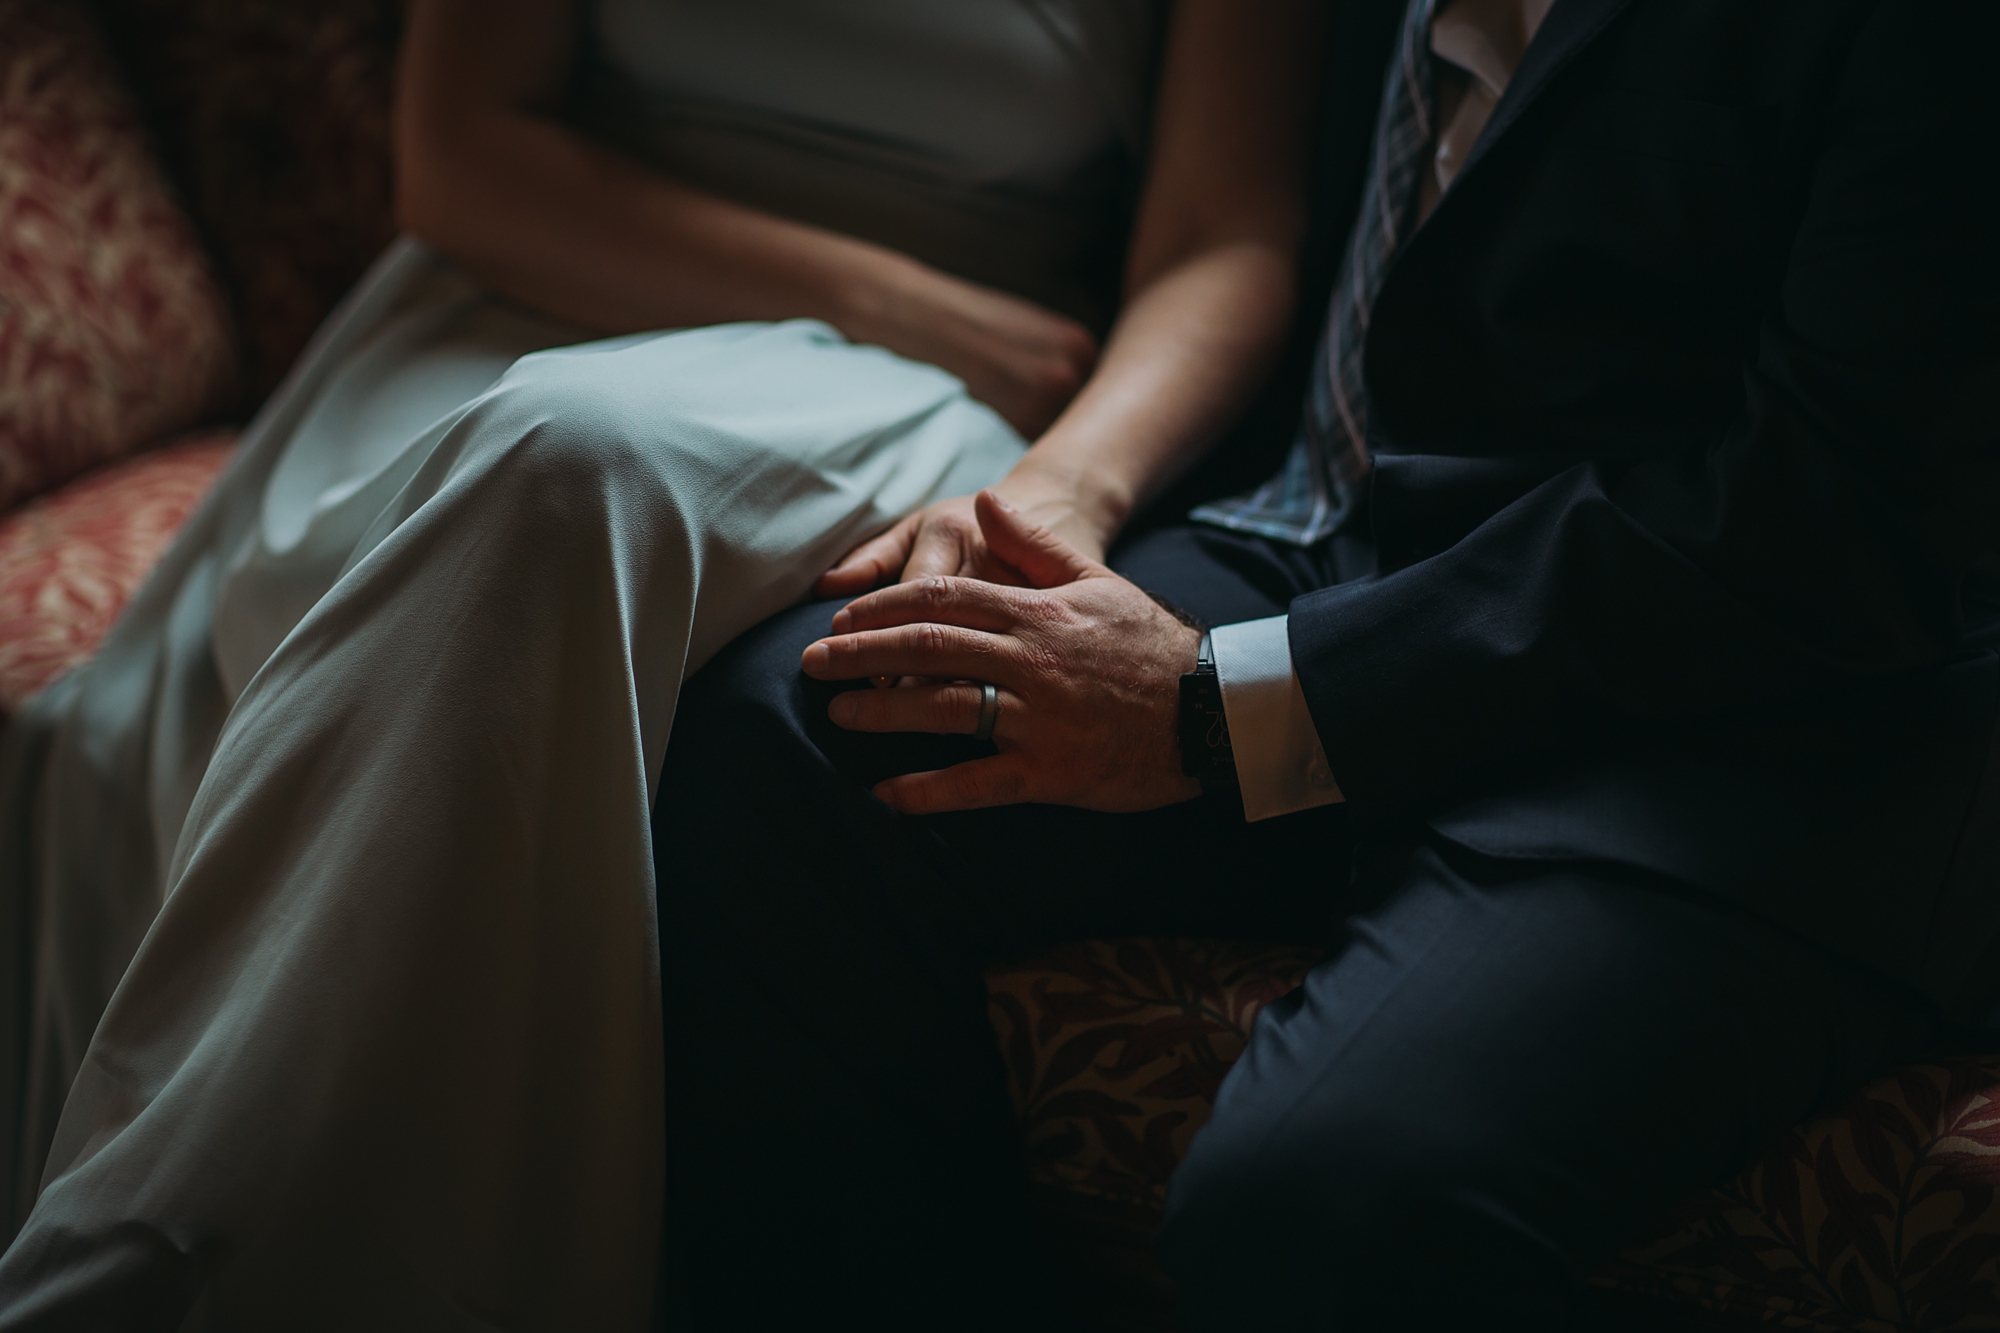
(971,603)
(950,651)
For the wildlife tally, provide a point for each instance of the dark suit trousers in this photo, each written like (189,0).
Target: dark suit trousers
(1501,1073)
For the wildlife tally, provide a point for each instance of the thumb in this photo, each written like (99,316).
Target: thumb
(873,562)
(1044,559)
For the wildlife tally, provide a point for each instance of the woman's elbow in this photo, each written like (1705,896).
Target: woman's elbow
(420,199)
(436,156)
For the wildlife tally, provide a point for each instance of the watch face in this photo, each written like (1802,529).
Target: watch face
(1204,729)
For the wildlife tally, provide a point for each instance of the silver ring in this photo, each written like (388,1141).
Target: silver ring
(989,712)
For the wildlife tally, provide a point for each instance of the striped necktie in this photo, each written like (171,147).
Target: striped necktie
(1321,480)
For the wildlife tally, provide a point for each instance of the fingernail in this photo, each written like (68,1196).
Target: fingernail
(841,621)
(814,659)
(1000,500)
(840,710)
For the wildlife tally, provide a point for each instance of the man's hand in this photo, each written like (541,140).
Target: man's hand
(1087,666)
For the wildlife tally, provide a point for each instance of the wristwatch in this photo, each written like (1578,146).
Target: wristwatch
(1205,750)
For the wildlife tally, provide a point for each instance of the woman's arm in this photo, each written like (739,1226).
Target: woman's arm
(1209,294)
(486,174)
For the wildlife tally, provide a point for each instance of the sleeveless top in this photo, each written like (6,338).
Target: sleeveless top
(1001,140)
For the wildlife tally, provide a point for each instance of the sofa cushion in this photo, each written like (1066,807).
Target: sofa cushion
(274,118)
(71,560)
(1878,1216)
(112,329)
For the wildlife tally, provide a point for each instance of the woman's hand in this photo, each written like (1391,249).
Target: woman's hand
(946,538)
(1021,360)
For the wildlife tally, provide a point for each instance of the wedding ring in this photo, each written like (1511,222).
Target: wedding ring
(989,712)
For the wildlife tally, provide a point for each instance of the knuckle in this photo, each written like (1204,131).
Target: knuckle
(933,639)
(934,592)
(1010,786)
(1046,613)
(936,709)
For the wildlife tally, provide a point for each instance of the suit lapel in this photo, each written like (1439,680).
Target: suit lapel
(1571,25)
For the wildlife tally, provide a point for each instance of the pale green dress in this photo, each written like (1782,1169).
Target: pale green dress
(333,869)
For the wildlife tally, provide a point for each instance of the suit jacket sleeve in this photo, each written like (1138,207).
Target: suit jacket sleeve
(1830,536)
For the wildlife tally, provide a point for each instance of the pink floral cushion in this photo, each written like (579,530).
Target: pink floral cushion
(112,330)
(1877,1217)
(70,561)
(274,118)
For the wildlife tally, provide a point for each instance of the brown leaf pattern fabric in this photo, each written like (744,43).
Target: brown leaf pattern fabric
(1117,1047)
(112,329)
(1877,1217)
(274,117)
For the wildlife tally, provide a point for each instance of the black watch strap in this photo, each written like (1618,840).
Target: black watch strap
(1205,751)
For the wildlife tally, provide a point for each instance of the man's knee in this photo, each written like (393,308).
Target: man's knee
(751,697)
(740,752)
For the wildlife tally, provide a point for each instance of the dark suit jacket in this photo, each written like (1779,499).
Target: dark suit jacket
(1687,486)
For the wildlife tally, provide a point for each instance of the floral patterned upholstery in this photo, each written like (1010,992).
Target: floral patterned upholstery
(1877,1217)
(1115,1049)
(71,560)
(112,330)
(275,119)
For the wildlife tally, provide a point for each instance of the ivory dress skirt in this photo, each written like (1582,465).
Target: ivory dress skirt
(331,873)
(401,693)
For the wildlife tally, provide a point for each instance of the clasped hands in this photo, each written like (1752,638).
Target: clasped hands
(1087,667)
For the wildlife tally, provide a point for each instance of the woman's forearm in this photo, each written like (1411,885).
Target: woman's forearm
(1214,267)
(543,215)
(550,219)
(1191,348)
(487,172)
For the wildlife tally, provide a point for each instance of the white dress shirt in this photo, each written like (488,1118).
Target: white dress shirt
(1280,763)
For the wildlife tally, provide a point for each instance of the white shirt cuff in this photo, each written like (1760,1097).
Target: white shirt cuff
(1279,762)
